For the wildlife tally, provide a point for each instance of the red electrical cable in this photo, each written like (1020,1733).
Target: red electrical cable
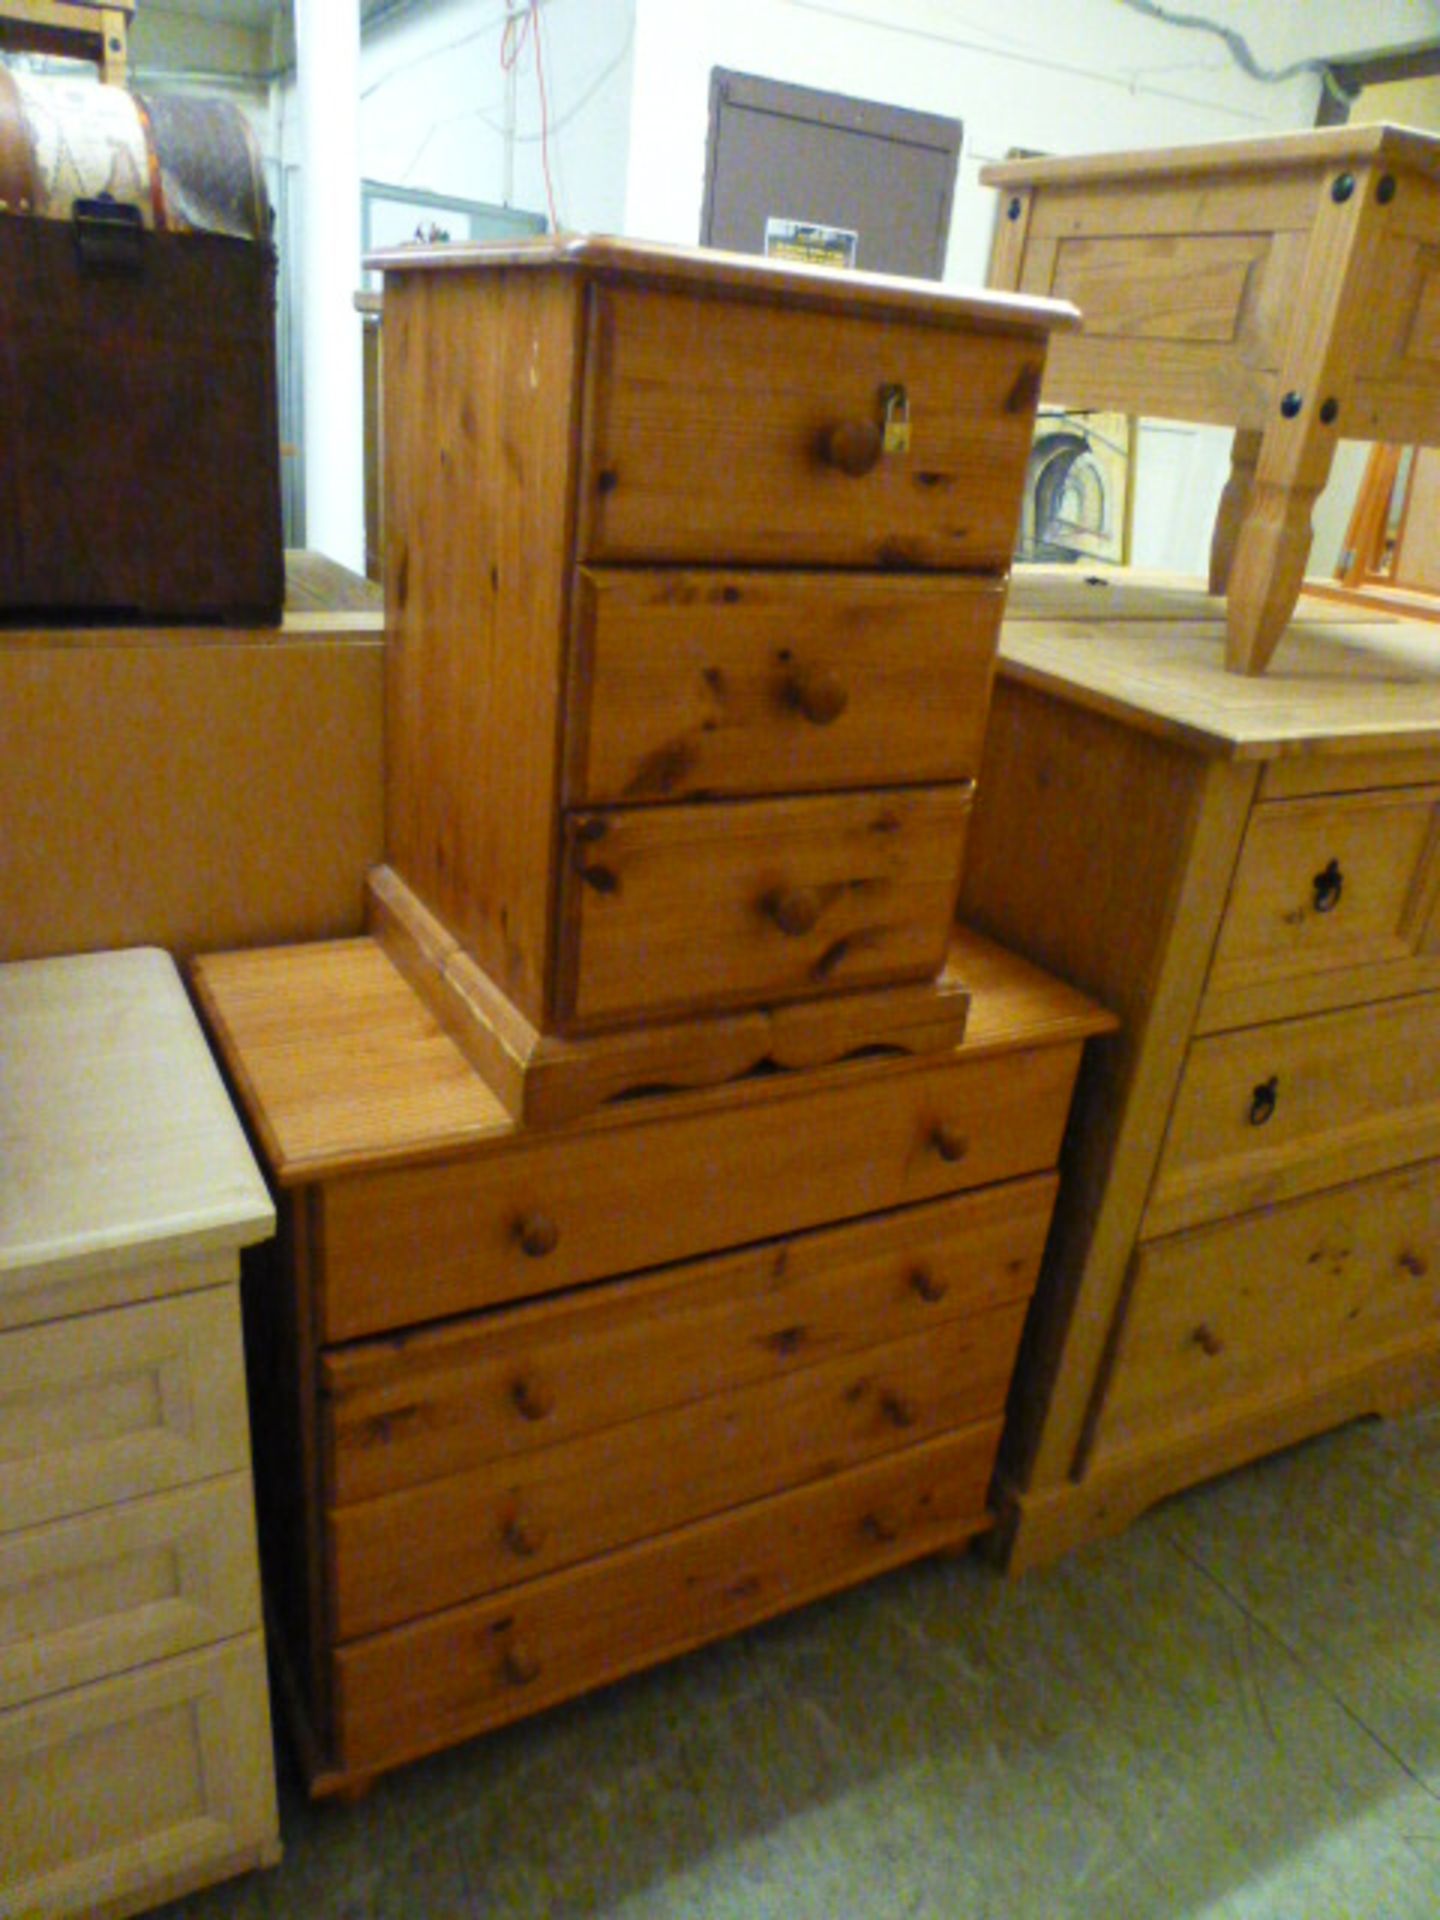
(518,28)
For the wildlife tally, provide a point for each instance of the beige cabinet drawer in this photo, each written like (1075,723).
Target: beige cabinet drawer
(666,909)
(428,1547)
(115,1796)
(1284,1109)
(1269,1306)
(84,1598)
(1341,889)
(112,1405)
(417,1243)
(711,429)
(419,1687)
(751,683)
(533,1376)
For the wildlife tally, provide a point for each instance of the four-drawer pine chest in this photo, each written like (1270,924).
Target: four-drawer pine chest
(1247,1247)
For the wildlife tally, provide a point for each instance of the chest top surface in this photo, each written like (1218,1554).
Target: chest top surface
(116,1132)
(1318,147)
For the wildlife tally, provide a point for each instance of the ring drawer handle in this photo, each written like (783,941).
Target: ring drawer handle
(530,1400)
(897,1409)
(1263,1100)
(537,1234)
(794,910)
(880,1528)
(853,446)
(949,1142)
(1328,884)
(818,695)
(1208,1341)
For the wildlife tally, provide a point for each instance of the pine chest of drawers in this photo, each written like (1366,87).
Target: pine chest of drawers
(135,1758)
(538,1408)
(1248,1249)
(695,566)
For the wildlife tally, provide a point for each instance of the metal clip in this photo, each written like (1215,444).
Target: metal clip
(109,235)
(896,404)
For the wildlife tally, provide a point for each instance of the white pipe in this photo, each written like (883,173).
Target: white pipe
(327,50)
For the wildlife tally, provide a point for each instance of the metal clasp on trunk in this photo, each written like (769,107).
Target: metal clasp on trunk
(109,235)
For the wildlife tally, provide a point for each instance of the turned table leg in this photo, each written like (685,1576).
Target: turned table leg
(1234,504)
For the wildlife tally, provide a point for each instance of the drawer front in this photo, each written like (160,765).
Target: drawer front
(418,1243)
(423,1686)
(1264,1307)
(534,1376)
(1338,884)
(668,909)
(111,1795)
(1285,1109)
(84,1598)
(720,430)
(752,683)
(428,1547)
(113,1405)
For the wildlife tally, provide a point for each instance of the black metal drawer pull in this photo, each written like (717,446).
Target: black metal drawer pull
(1328,884)
(1263,1099)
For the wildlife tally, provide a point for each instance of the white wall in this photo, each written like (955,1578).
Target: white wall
(438,112)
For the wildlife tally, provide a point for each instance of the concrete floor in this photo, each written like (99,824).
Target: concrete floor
(1232,1711)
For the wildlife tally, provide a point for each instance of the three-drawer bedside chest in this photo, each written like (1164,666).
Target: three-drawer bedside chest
(135,1754)
(1247,1245)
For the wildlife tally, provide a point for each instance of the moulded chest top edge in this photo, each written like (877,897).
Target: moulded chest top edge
(745,276)
(1323,146)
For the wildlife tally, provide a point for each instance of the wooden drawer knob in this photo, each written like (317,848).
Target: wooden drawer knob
(794,910)
(1328,885)
(852,446)
(519,1663)
(522,1537)
(818,695)
(897,1409)
(537,1234)
(949,1142)
(924,1283)
(530,1399)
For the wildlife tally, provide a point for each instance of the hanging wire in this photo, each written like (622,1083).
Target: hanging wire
(1239,49)
(520,29)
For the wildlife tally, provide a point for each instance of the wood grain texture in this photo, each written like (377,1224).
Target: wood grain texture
(670,909)
(679,468)
(510,1521)
(487,1388)
(1328,146)
(340,1065)
(1351,1093)
(425,1685)
(750,683)
(481,392)
(412,1244)
(1285,1295)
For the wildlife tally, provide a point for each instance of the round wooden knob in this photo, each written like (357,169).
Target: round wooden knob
(852,446)
(537,1234)
(794,910)
(522,1537)
(530,1399)
(949,1142)
(820,696)
(923,1281)
(518,1663)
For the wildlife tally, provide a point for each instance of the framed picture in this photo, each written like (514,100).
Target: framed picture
(1077,488)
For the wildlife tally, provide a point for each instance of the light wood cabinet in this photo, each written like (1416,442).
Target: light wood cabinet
(135,1757)
(1246,1243)
(537,1409)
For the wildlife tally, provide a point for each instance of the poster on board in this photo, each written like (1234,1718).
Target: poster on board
(810,243)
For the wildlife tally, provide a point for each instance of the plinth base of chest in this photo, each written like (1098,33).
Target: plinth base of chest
(545,1078)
